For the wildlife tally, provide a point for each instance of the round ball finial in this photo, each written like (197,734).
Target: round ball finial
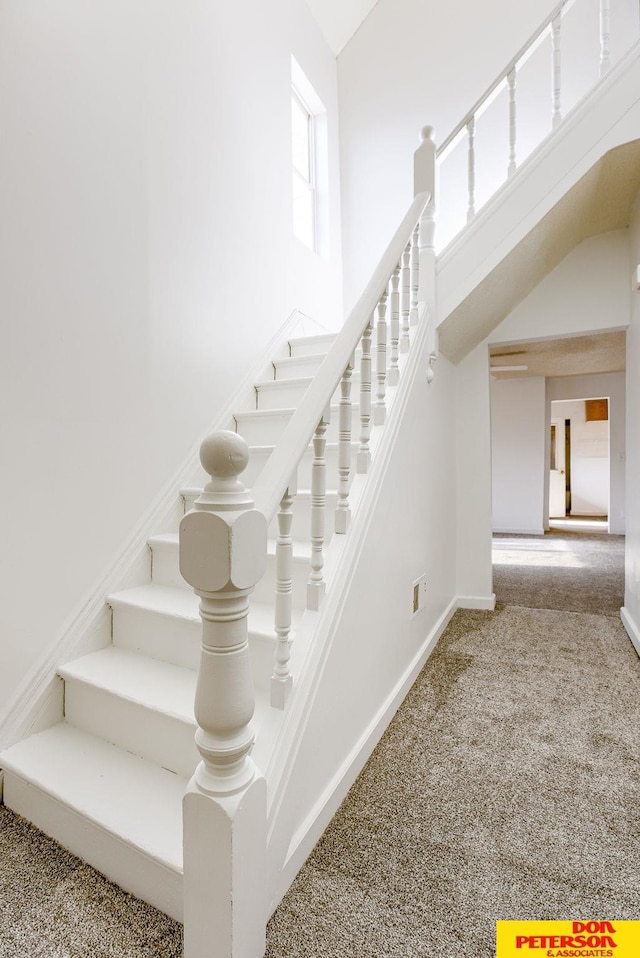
(427,133)
(224,454)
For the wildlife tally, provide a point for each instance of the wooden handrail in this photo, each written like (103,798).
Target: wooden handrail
(283,462)
(504,74)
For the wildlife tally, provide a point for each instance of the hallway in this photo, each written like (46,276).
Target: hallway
(507,786)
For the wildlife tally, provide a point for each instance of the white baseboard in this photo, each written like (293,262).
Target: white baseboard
(632,627)
(518,532)
(308,833)
(487,602)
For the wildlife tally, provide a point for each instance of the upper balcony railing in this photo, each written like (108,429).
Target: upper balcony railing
(562,61)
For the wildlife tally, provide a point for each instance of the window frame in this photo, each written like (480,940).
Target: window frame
(309,184)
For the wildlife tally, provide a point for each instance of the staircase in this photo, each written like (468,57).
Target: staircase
(108,780)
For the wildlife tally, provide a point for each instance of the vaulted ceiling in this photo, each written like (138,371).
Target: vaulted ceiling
(339,19)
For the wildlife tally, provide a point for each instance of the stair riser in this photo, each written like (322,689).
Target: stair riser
(281,396)
(265,430)
(311,345)
(170,639)
(297,368)
(164,739)
(301,367)
(110,854)
(178,641)
(165,571)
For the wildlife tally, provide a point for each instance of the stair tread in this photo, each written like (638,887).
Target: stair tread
(322,338)
(184,604)
(124,794)
(152,683)
(304,358)
(281,412)
(180,603)
(286,383)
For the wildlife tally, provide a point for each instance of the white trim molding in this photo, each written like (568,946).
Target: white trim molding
(631,627)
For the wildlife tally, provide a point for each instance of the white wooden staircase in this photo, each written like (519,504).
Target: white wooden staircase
(108,781)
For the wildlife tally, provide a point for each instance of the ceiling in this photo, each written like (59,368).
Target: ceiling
(339,19)
(577,355)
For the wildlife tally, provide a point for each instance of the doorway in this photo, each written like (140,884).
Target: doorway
(579,463)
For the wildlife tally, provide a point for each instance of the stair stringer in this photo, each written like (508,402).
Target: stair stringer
(468,278)
(38,703)
(325,741)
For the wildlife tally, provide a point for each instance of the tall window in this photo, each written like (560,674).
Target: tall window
(302,151)
(310,163)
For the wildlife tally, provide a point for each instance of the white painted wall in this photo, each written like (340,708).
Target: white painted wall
(586,293)
(146,257)
(473,480)
(417,62)
(410,531)
(631,611)
(518,437)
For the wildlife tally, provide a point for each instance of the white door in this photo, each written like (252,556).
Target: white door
(557,479)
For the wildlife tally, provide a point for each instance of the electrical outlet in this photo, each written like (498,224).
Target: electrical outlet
(419,593)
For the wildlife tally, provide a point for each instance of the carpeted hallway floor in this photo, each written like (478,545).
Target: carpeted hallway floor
(507,786)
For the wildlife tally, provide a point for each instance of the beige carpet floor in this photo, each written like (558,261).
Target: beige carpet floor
(566,570)
(507,786)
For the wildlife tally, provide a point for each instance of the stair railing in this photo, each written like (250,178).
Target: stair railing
(507,80)
(223,545)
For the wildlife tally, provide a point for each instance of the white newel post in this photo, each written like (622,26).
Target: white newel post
(425,181)
(223,542)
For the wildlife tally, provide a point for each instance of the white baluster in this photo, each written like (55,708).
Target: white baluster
(415,271)
(556,68)
(222,555)
(511,82)
(282,680)
(406,298)
(343,511)
(316,586)
(394,327)
(605,34)
(380,407)
(364,452)
(471,168)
